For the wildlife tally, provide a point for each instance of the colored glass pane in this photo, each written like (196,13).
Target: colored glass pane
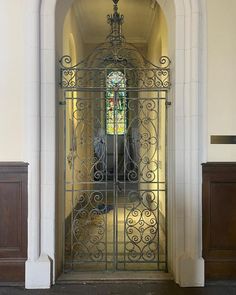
(116,103)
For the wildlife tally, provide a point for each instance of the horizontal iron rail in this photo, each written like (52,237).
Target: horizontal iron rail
(104,89)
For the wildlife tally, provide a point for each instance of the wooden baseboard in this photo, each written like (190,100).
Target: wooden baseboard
(220,270)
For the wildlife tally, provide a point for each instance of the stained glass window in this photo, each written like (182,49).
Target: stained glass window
(116,103)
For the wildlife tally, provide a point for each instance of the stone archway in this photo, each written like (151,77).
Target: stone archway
(186,22)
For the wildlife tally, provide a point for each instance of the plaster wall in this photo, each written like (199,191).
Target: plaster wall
(12,82)
(221,76)
(158,41)
(157,47)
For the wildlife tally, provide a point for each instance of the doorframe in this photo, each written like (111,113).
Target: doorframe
(187,142)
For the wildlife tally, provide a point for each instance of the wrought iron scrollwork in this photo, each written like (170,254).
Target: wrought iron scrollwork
(143,76)
(113,190)
(142,227)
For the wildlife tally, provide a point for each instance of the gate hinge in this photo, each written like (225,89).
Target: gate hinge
(62,103)
(168,103)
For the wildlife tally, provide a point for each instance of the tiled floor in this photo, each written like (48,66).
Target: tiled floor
(123,288)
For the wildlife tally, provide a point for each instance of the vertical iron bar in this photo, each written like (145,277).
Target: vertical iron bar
(106,170)
(166,180)
(114,185)
(126,104)
(124,188)
(103,103)
(64,172)
(158,173)
(72,194)
(116,178)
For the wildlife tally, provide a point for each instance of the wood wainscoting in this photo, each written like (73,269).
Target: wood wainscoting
(13,221)
(219,220)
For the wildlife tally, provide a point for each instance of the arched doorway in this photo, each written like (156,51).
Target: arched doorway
(187,27)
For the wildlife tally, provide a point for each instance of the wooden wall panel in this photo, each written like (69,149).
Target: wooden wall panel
(13,221)
(219,220)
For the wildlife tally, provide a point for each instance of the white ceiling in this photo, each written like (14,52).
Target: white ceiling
(92,19)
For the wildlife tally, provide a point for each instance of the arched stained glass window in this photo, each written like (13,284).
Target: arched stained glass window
(116,108)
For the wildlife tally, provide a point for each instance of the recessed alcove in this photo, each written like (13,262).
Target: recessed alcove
(113,164)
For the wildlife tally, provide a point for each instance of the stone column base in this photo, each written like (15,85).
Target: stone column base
(191,272)
(38,273)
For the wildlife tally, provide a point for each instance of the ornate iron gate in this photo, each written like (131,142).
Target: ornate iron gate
(115,141)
